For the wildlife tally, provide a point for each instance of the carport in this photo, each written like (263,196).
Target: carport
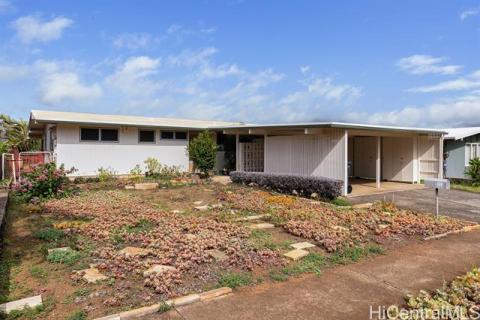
(356,153)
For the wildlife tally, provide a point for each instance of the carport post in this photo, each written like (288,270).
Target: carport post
(378,161)
(345,163)
(237,152)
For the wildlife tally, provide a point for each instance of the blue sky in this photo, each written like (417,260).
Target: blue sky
(410,63)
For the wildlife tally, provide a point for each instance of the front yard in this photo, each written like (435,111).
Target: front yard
(149,246)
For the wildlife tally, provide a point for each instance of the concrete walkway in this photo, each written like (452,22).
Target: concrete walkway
(347,292)
(454,203)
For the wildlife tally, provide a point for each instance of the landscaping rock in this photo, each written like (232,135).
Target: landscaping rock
(134,251)
(177,211)
(251,218)
(157,268)
(59,249)
(92,275)
(215,293)
(110,317)
(262,226)
(217,254)
(190,236)
(340,228)
(181,301)
(362,205)
(21,304)
(217,206)
(296,254)
(146,186)
(137,313)
(129,187)
(202,208)
(197,203)
(302,245)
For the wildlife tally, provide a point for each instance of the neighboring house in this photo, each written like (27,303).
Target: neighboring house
(90,141)
(3,131)
(461,145)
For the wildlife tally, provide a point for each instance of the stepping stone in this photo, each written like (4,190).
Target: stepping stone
(177,211)
(302,245)
(146,186)
(217,254)
(21,304)
(92,275)
(190,236)
(218,205)
(134,251)
(59,249)
(296,254)
(157,269)
(261,226)
(251,218)
(340,228)
(202,208)
(197,203)
(362,205)
(129,187)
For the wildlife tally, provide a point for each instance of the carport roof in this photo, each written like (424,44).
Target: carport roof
(460,133)
(345,125)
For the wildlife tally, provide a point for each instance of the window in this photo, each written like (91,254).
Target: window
(146,135)
(472,150)
(166,135)
(87,134)
(96,134)
(109,135)
(181,135)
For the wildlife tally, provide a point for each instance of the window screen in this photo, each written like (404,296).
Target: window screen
(181,135)
(109,135)
(87,134)
(146,136)
(167,134)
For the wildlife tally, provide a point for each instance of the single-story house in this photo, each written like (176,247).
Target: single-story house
(343,151)
(461,145)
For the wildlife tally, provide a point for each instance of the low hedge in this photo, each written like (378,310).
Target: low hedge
(325,188)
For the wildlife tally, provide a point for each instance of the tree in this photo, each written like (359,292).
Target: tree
(203,152)
(473,171)
(17,135)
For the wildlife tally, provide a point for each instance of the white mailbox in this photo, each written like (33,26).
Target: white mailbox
(437,184)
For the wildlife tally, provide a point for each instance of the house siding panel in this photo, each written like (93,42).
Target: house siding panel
(318,154)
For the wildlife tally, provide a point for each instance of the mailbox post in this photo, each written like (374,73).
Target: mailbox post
(437,184)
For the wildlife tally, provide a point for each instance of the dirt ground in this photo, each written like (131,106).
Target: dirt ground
(100,223)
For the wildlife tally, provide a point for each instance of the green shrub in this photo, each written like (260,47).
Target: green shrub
(473,171)
(234,280)
(157,170)
(44,181)
(49,234)
(143,225)
(164,307)
(68,257)
(105,174)
(203,152)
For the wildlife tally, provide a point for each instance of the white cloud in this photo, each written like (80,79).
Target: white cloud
(469,13)
(5,6)
(64,87)
(31,28)
(426,64)
(324,87)
(8,72)
(304,69)
(189,58)
(453,85)
(133,40)
(459,111)
(132,77)
(221,71)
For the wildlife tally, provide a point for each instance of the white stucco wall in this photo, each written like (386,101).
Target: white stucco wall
(122,156)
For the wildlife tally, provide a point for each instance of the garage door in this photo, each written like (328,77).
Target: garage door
(397,159)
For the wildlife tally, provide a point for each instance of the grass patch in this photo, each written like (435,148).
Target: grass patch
(143,225)
(49,234)
(68,257)
(261,239)
(353,254)
(234,280)
(278,276)
(27,313)
(313,263)
(465,187)
(78,315)
(164,307)
(38,272)
(341,202)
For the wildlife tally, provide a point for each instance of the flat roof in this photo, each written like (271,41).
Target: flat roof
(38,118)
(460,133)
(345,125)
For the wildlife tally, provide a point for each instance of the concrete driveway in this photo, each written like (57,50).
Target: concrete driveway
(454,203)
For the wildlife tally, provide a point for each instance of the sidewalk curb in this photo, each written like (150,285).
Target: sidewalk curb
(177,302)
(443,235)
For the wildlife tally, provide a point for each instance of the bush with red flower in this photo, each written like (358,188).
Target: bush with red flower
(42,182)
